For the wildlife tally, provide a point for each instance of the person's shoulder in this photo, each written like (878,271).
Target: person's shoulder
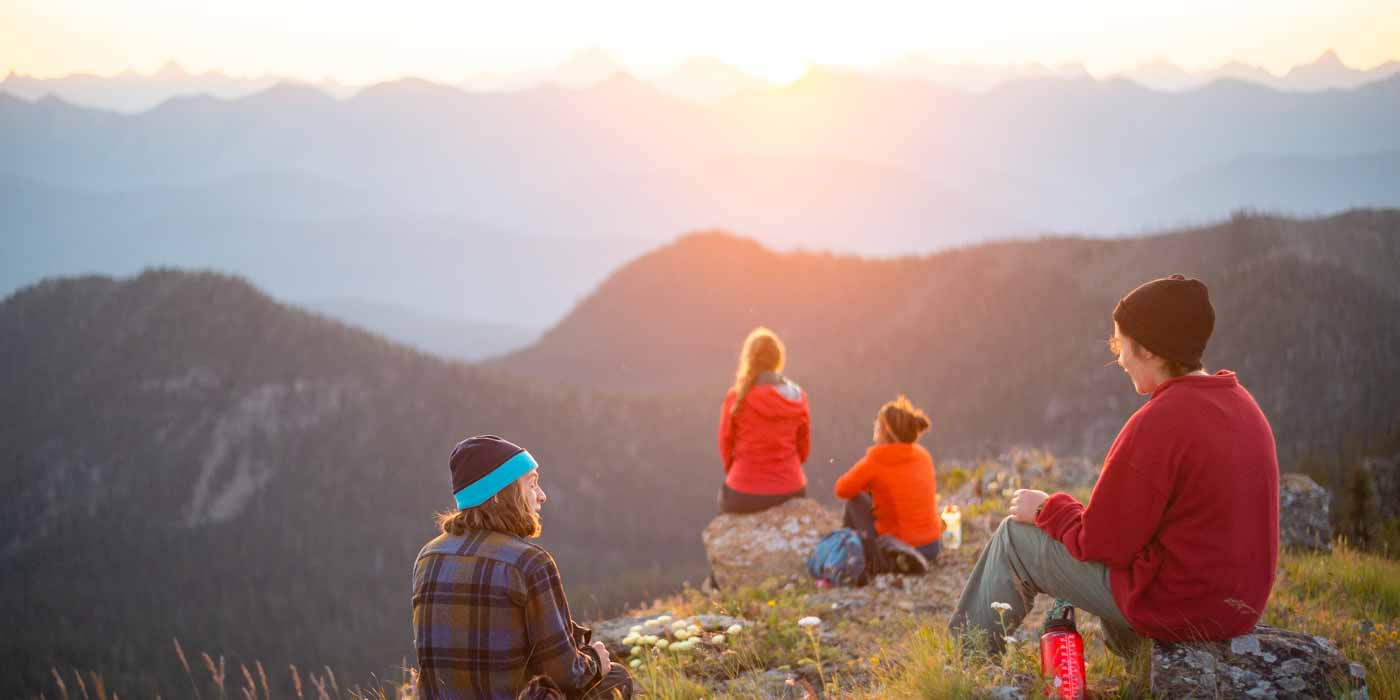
(531,557)
(442,544)
(488,544)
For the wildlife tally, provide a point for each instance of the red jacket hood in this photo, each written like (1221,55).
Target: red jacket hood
(777,400)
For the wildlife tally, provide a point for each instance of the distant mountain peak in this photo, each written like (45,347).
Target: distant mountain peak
(1329,59)
(289,91)
(584,68)
(409,89)
(170,70)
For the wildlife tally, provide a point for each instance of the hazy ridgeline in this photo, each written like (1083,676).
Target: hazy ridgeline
(453,204)
(188,458)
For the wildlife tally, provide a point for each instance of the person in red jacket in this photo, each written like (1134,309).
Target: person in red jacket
(1179,539)
(891,491)
(764,430)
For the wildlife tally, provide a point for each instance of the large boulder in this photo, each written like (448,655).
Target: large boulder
(1266,663)
(748,549)
(1302,514)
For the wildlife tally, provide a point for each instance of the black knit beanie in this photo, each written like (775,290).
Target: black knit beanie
(483,465)
(1171,317)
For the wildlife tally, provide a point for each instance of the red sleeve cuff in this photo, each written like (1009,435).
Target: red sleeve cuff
(1059,510)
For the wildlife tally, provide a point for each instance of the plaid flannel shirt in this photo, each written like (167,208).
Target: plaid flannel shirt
(489,613)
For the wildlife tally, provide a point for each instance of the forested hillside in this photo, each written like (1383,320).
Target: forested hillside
(1003,343)
(185,457)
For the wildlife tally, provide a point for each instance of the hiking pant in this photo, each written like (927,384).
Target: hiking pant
(1021,561)
(860,516)
(731,501)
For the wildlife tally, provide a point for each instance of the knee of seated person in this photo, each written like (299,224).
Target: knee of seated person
(1012,528)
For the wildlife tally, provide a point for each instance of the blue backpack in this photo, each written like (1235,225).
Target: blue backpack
(839,558)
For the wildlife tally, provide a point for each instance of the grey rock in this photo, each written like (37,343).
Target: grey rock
(1006,692)
(746,550)
(772,685)
(1302,514)
(1266,663)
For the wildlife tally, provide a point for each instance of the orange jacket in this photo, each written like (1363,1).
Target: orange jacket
(899,477)
(767,441)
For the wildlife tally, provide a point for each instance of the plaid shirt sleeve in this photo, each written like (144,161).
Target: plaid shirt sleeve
(549,628)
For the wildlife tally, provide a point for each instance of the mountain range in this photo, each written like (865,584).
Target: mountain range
(506,208)
(699,79)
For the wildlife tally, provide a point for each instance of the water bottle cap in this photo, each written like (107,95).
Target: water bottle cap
(1060,618)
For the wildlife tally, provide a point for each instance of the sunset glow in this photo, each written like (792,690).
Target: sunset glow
(368,42)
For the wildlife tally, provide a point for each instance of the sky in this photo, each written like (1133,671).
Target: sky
(362,42)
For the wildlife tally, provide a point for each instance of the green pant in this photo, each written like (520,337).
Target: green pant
(1021,561)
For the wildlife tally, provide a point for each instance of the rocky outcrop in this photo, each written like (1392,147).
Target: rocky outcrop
(1302,514)
(1266,663)
(749,549)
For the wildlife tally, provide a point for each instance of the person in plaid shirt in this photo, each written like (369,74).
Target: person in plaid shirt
(489,611)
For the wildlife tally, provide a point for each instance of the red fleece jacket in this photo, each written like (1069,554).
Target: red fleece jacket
(1185,512)
(764,446)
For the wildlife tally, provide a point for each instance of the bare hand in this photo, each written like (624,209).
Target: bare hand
(604,664)
(1024,503)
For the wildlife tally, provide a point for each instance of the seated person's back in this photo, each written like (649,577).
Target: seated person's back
(764,430)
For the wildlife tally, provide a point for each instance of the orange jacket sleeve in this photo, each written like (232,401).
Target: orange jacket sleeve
(726,432)
(855,480)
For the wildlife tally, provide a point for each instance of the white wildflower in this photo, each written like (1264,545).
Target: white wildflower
(662,644)
(1009,640)
(637,650)
(682,635)
(664,619)
(636,663)
(810,621)
(694,629)
(636,629)
(717,640)
(649,639)
(1001,606)
(734,629)
(629,640)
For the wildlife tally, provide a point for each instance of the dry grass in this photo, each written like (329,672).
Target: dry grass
(1348,596)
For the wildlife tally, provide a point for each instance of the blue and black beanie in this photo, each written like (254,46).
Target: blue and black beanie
(485,464)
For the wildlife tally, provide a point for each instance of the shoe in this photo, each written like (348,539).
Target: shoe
(902,558)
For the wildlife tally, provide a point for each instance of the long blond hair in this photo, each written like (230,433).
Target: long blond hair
(762,352)
(507,512)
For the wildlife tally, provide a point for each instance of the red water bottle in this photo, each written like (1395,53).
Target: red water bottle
(1062,654)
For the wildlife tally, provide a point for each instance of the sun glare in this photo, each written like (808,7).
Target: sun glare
(778,70)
